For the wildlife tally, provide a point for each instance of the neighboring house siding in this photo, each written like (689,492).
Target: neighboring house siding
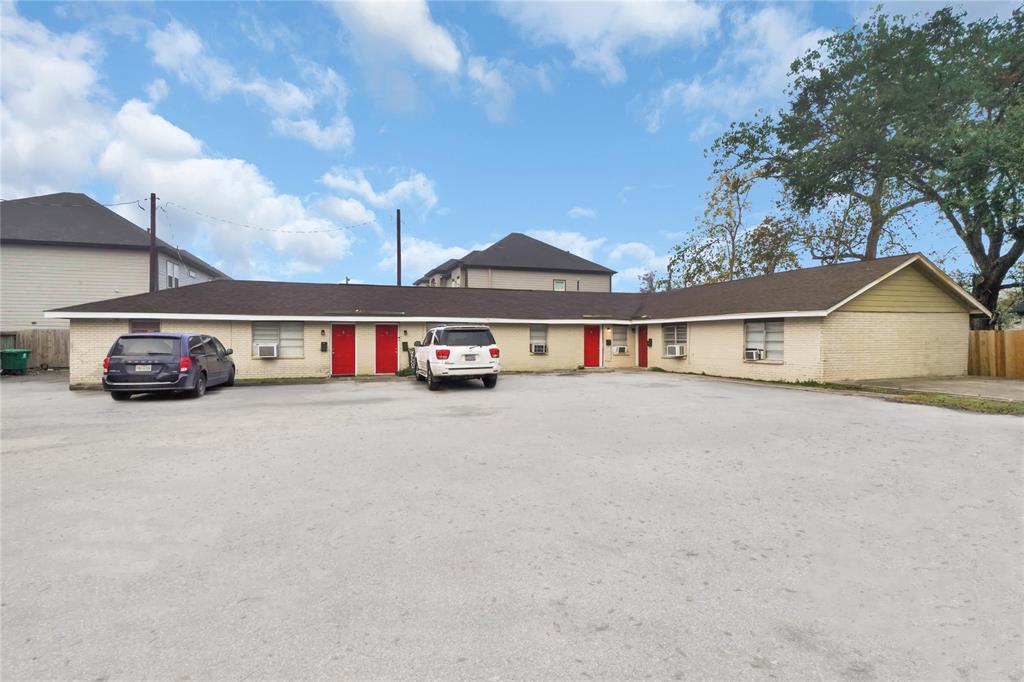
(717,348)
(880,345)
(908,291)
(38,278)
(186,274)
(494,278)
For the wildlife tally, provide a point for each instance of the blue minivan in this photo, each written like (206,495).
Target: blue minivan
(155,362)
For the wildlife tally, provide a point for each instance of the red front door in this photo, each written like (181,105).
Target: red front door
(343,349)
(387,348)
(592,345)
(641,343)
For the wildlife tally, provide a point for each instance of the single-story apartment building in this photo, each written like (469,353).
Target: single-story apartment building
(896,316)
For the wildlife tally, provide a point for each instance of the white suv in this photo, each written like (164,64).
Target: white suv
(458,352)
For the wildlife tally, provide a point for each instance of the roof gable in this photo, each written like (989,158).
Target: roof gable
(74,219)
(520,251)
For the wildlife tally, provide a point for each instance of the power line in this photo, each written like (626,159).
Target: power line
(333,228)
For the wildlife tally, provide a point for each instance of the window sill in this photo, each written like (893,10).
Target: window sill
(765,362)
(674,357)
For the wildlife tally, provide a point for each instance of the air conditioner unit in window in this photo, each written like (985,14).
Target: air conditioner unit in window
(620,350)
(266,350)
(753,354)
(675,350)
(538,348)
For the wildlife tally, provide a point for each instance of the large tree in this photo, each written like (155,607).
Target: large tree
(897,113)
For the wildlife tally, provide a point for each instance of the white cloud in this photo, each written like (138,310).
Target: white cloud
(157,90)
(148,152)
(417,188)
(418,256)
(573,242)
(751,71)
(180,51)
(598,32)
(577,212)
(384,31)
(631,251)
(51,112)
(492,87)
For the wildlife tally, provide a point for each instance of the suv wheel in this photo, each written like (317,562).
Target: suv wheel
(432,383)
(200,388)
(490,381)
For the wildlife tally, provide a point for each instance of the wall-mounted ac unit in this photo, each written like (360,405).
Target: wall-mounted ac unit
(675,350)
(266,350)
(753,354)
(538,348)
(620,350)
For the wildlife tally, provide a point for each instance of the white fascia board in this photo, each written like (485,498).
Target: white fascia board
(733,316)
(331,318)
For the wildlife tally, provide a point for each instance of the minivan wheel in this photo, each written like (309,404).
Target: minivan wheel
(200,388)
(117,395)
(432,383)
(490,381)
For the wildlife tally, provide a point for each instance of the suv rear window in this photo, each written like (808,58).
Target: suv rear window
(465,337)
(147,345)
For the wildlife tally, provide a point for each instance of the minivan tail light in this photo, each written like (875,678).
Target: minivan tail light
(106,365)
(442,353)
(185,365)
(495,352)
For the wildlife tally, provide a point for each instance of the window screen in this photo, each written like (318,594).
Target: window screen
(287,335)
(619,335)
(140,326)
(538,334)
(558,285)
(673,334)
(766,336)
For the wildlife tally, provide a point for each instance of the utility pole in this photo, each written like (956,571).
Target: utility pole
(154,282)
(398,241)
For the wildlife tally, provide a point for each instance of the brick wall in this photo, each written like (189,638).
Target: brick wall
(716,348)
(90,341)
(876,345)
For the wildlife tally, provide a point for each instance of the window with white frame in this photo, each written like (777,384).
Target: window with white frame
(558,285)
(620,335)
(538,339)
(762,340)
(172,275)
(673,335)
(287,335)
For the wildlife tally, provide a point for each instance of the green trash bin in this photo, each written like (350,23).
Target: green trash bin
(14,360)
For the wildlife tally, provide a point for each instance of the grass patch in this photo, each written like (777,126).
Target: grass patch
(405,372)
(658,369)
(957,402)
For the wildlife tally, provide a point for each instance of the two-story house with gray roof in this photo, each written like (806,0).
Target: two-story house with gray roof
(64,249)
(520,262)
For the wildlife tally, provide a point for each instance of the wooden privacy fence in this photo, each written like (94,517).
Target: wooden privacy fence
(996,354)
(49,346)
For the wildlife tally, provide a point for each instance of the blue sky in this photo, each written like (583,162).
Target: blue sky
(582,124)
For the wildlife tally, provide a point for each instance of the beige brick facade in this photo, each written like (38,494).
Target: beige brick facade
(716,348)
(859,345)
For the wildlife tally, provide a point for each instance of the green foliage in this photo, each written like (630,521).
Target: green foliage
(893,114)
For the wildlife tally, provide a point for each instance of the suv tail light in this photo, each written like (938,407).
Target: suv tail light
(106,365)
(442,353)
(185,365)
(495,352)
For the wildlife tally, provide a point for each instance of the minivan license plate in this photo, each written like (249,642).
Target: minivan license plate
(143,368)
(469,358)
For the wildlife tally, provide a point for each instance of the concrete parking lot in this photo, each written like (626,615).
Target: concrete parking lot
(603,526)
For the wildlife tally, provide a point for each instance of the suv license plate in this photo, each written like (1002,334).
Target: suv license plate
(143,368)
(469,358)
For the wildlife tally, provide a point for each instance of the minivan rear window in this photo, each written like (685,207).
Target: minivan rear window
(147,345)
(466,337)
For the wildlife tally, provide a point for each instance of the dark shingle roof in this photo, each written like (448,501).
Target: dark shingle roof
(520,252)
(811,289)
(73,219)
